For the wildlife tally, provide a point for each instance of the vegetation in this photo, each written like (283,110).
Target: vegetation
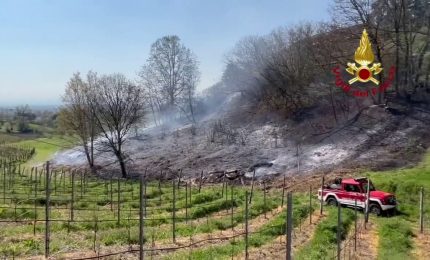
(170,77)
(96,206)
(290,69)
(265,234)
(395,239)
(324,241)
(396,233)
(108,106)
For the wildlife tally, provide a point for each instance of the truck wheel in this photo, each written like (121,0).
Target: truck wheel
(331,201)
(375,209)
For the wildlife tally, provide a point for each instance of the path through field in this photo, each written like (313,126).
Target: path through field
(367,241)
(422,246)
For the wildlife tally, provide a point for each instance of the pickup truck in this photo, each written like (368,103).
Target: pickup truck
(349,191)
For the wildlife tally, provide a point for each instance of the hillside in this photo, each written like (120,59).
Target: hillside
(235,137)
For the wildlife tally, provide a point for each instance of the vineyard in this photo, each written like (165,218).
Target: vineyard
(62,213)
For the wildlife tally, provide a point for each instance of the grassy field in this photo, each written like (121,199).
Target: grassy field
(396,233)
(95,207)
(324,241)
(47,147)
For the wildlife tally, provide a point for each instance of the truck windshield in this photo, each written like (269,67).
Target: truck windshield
(364,185)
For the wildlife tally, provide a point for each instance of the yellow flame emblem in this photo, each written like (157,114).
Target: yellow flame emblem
(364,56)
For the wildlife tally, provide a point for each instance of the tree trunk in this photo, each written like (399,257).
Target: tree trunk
(89,156)
(122,165)
(190,100)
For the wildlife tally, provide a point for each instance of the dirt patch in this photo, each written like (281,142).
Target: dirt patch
(422,246)
(367,241)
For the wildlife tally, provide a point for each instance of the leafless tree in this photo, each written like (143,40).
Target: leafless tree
(274,71)
(76,116)
(118,106)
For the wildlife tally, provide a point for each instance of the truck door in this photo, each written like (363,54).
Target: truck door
(353,193)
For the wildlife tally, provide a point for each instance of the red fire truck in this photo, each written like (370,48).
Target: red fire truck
(351,192)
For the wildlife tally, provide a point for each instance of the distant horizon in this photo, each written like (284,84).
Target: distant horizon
(48,41)
(32,107)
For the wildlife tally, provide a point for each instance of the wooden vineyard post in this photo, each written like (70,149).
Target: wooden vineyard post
(223,183)
(283,193)
(106,187)
(42,171)
(85,181)
(4,183)
(232,209)
(310,204)
(96,228)
(144,191)
(421,210)
(132,189)
(201,181)
(55,181)
(35,216)
(73,197)
(232,219)
(35,183)
(355,225)
(82,184)
(289,223)
(174,212)
(246,225)
(111,194)
(252,186)
(186,202)
(190,191)
(63,173)
(179,181)
(322,196)
(47,210)
(339,230)
(119,202)
(141,218)
(159,191)
(264,199)
(366,216)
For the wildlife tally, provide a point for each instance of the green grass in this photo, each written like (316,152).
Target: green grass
(396,233)
(395,239)
(324,241)
(97,196)
(46,147)
(272,229)
(406,184)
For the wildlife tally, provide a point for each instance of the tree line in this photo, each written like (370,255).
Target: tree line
(289,69)
(23,120)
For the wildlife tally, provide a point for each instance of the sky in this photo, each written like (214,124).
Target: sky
(43,42)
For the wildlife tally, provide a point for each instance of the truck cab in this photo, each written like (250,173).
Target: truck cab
(353,192)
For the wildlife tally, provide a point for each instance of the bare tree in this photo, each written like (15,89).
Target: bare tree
(76,116)
(118,106)
(274,71)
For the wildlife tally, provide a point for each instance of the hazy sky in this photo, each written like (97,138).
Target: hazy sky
(42,42)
